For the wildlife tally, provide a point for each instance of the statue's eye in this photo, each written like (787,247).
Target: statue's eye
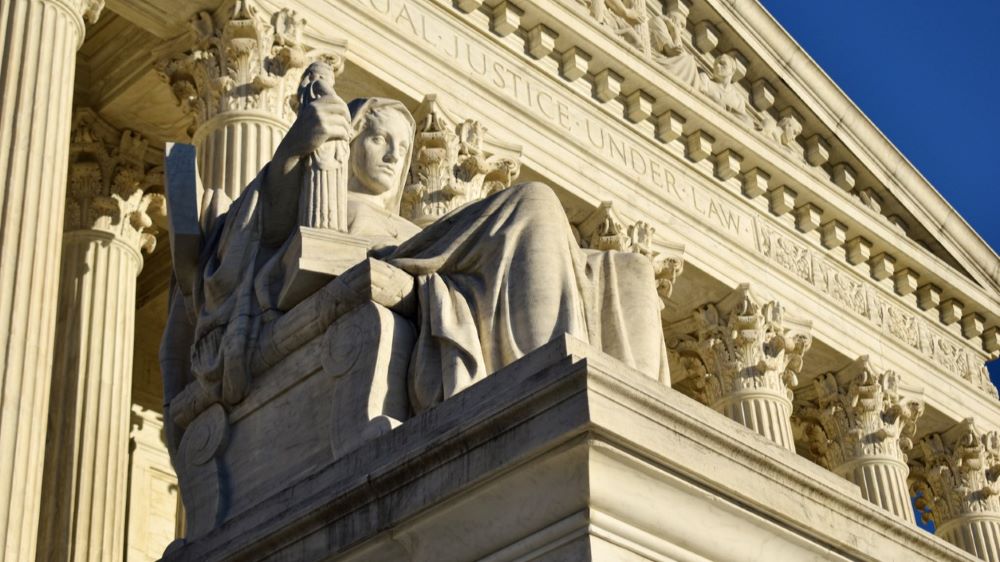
(378,139)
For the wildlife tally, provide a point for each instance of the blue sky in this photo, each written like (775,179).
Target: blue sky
(928,77)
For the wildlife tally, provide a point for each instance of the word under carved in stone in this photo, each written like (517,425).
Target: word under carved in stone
(329,334)
(858,423)
(740,357)
(605,230)
(451,165)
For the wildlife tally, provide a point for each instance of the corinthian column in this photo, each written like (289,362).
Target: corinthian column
(236,74)
(37,67)
(741,360)
(108,223)
(855,423)
(955,477)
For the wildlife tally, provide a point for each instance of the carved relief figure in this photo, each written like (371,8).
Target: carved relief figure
(666,35)
(783,132)
(624,17)
(722,87)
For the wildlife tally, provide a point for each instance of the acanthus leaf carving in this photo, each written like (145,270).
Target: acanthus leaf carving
(742,344)
(858,412)
(241,61)
(112,183)
(451,165)
(955,473)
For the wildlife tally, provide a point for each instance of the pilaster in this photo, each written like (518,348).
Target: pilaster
(741,358)
(955,477)
(37,68)
(109,220)
(856,423)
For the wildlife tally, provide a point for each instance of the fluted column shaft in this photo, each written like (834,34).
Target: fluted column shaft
(87,454)
(769,414)
(233,147)
(37,68)
(882,482)
(977,535)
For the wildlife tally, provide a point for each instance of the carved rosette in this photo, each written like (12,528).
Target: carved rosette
(955,476)
(605,230)
(856,423)
(240,61)
(450,166)
(742,359)
(110,178)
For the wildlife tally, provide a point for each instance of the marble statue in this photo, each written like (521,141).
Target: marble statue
(667,41)
(624,17)
(495,279)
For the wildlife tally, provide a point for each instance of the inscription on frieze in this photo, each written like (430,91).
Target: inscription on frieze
(579,123)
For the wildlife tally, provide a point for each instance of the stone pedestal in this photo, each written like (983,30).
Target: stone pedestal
(856,423)
(37,69)
(86,454)
(955,478)
(740,357)
(567,454)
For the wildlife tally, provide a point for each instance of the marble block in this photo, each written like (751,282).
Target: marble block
(314,257)
(566,454)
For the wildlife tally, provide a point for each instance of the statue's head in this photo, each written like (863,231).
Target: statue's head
(724,68)
(380,149)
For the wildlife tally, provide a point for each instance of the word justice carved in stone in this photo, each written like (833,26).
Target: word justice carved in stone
(578,125)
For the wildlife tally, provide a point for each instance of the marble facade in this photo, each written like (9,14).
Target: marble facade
(767,321)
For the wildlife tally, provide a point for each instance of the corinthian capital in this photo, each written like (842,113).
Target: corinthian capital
(740,345)
(454,163)
(857,412)
(236,60)
(955,473)
(110,178)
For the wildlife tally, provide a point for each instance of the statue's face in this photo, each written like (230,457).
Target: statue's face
(724,68)
(378,154)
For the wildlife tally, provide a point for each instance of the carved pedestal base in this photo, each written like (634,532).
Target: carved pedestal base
(765,413)
(566,454)
(315,257)
(882,482)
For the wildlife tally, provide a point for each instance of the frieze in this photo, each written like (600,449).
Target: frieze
(581,125)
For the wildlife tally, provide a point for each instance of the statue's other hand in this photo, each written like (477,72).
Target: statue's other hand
(324,119)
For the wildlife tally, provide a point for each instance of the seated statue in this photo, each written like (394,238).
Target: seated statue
(666,34)
(495,279)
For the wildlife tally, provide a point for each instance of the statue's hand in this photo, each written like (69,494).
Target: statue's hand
(324,119)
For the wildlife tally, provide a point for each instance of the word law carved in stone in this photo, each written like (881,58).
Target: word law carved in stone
(405,317)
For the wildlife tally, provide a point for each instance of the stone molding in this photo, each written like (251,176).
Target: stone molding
(111,183)
(804,164)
